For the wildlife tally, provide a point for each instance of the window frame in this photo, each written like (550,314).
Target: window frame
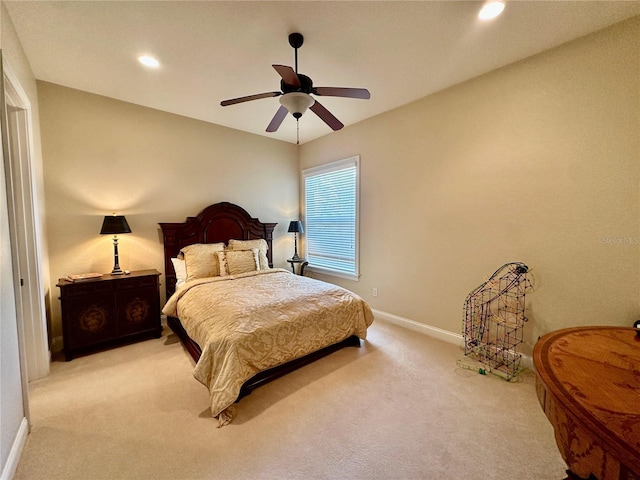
(325,169)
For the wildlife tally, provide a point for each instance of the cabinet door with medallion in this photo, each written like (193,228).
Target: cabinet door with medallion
(89,310)
(138,305)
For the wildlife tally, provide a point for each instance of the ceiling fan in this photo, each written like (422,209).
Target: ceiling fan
(295,95)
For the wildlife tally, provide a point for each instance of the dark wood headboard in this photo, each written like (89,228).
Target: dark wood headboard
(216,223)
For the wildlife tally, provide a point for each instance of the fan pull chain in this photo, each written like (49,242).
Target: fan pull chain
(297,131)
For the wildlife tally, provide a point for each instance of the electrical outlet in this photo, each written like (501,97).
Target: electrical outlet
(375,292)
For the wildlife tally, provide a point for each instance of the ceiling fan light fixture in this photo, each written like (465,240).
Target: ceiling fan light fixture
(491,9)
(296,102)
(148,61)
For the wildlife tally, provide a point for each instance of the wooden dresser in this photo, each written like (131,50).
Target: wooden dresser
(588,383)
(109,311)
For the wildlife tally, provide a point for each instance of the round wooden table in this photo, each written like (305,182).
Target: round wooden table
(588,384)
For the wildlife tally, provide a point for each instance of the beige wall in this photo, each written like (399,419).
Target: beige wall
(537,162)
(104,155)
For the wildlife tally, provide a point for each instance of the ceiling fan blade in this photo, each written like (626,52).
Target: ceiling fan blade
(326,116)
(343,92)
(248,98)
(277,119)
(288,74)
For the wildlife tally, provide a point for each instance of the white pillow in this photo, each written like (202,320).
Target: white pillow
(180,268)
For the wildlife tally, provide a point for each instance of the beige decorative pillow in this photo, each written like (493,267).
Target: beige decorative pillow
(260,244)
(201,260)
(233,262)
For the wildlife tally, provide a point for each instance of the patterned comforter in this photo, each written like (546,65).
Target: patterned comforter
(254,321)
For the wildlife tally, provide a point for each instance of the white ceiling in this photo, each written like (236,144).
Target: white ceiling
(215,50)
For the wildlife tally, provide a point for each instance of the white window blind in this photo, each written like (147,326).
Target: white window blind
(331,217)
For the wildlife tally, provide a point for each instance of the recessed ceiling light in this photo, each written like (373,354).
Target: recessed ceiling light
(148,61)
(491,9)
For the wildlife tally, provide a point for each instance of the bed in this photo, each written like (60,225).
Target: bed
(244,322)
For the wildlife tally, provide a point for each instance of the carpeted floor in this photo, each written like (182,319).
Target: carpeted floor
(397,408)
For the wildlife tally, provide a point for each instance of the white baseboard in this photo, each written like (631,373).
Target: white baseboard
(436,332)
(9,470)
(445,335)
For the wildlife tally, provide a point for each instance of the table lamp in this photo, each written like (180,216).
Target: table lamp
(115,225)
(295,227)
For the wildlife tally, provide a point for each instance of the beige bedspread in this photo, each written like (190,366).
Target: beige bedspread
(250,322)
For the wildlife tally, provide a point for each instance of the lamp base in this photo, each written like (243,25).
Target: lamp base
(295,248)
(116,264)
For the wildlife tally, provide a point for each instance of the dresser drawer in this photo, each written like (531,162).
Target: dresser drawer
(137,282)
(86,288)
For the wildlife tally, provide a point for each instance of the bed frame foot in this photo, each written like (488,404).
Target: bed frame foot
(276,372)
(268,375)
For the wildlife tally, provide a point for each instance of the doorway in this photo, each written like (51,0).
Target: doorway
(23,226)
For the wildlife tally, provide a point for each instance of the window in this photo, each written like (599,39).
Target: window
(331,194)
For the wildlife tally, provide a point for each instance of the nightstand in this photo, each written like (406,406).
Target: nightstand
(300,261)
(109,311)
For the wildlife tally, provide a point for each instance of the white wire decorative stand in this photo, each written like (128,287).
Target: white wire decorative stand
(494,321)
